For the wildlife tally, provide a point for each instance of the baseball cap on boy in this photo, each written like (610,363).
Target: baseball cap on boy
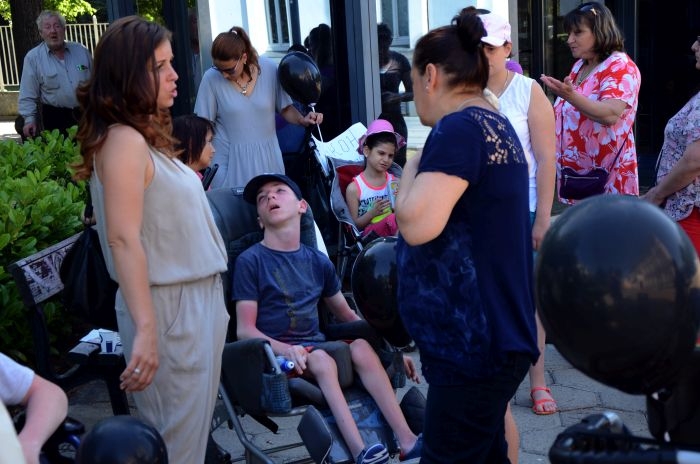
(377,126)
(497,29)
(250,192)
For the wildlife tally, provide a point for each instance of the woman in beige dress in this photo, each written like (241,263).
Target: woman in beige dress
(157,234)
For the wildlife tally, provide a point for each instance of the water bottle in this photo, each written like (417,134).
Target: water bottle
(393,190)
(284,364)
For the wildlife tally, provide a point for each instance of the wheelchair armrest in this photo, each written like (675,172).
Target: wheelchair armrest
(340,352)
(352,331)
(243,365)
(391,360)
(305,392)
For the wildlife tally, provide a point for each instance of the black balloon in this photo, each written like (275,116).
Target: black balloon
(300,77)
(617,284)
(374,283)
(122,440)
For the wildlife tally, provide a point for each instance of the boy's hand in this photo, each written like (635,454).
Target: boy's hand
(410,367)
(298,355)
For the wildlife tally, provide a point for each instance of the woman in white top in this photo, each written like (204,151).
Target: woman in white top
(527,108)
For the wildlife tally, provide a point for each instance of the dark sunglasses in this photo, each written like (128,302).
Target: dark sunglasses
(229,71)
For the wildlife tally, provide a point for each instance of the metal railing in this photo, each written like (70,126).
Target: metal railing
(85,33)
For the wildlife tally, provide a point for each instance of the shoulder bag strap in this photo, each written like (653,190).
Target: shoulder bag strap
(618,152)
(88,214)
(561,137)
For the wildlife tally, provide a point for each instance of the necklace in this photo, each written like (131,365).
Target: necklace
(464,102)
(505,84)
(244,87)
(583,74)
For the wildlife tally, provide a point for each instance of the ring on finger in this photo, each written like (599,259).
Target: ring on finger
(137,371)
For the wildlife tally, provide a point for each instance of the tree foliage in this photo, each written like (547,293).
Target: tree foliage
(71,9)
(40,205)
(151,10)
(5,10)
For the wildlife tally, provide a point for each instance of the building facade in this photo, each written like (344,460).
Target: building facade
(658,37)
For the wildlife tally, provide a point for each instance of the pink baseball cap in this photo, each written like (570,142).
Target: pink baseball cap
(497,29)
(377,126)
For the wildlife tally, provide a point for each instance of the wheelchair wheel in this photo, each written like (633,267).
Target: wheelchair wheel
(62,446)
(64,453)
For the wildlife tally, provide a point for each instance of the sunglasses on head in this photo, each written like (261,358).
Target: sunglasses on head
(590,7)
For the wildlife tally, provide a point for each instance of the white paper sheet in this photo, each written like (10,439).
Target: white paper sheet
(343,147)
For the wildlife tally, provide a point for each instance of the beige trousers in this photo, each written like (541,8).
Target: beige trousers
(192,321)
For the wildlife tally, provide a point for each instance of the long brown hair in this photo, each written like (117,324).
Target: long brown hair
(123,89)
(232,45)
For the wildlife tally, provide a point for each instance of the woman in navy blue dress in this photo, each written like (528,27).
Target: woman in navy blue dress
(464,251)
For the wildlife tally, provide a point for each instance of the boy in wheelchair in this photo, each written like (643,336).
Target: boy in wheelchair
(277,284)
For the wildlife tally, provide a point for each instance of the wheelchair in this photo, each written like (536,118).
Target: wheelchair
(62,445)
(250,384)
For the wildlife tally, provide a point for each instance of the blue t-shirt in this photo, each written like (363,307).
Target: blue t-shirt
(287,286)
(466,296)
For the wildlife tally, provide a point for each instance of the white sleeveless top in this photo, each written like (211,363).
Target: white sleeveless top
(514,104)
(178,233)
(369,194)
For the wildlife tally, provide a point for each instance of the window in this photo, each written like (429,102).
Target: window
(278,24)
(394,13)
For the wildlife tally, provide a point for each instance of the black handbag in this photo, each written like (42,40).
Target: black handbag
(88,289)
(577,186)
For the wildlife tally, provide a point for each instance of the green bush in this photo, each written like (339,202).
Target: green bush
(40,205)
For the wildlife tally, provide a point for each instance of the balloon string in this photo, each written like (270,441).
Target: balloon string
(318,126)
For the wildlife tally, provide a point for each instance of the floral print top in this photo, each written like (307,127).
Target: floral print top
(583,144)
(682,130)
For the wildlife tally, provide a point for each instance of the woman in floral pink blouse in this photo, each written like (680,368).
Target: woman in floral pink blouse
(597,101)
(678,179)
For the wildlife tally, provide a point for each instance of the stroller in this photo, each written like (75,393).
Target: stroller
(350,239)
(323,171)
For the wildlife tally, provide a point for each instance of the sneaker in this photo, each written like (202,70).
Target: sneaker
(415,451)
(374,454)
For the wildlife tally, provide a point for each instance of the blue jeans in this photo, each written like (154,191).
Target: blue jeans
(464,423)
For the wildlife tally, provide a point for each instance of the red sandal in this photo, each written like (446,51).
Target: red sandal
(537,403)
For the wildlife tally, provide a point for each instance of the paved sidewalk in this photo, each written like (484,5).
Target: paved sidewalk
(417,132)
(576,394)
(7,130)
